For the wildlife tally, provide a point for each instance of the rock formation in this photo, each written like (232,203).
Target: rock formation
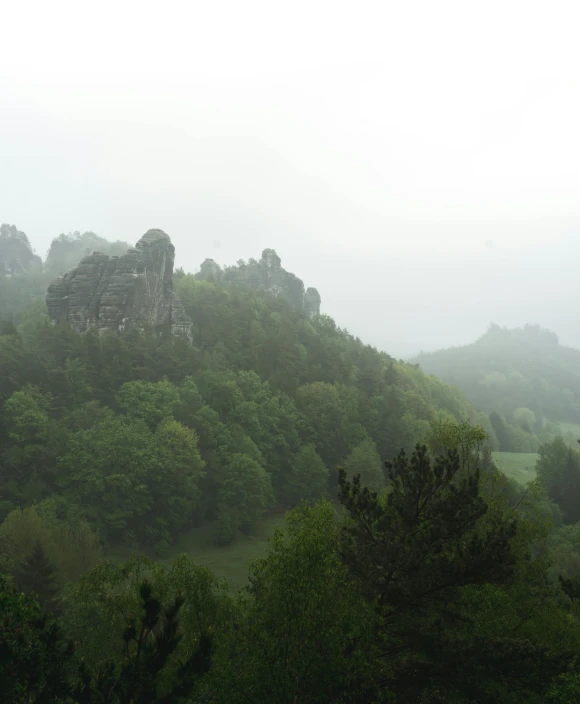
(16,255)
(311,302)
(210,271)
(115,293)
(265,275)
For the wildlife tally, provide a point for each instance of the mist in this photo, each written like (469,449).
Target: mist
(344,470)
(419,165)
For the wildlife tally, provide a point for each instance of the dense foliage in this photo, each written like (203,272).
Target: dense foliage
(435,590)
(142,437)
(414,572)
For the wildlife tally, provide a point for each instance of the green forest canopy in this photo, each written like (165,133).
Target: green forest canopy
(145,437)
(440,581)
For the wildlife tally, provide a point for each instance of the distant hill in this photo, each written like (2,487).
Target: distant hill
(16,254)
(24,277)
(21,278)
(66,251)
(523,374)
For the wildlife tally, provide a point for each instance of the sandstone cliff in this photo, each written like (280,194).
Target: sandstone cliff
(265,275)
(114,293)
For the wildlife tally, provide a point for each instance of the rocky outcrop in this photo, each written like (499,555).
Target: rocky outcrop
(16,255)
(311,302)
(267,275)
(115,293)
(210,271)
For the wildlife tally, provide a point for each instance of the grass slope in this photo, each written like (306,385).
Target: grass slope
(230,561)
(520,466)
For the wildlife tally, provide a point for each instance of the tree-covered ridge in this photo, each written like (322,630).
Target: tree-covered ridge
(148,436)
(143,435)
(16,255)
(416,573)
(21,276)
(523,375)
(67,250)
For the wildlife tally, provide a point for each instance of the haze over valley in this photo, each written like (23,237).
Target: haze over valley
(289,353)
(447,184)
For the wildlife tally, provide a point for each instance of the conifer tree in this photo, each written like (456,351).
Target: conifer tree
(565,488)
(37,576)
(36,661)
(149,643)
(413,553)
(501,433)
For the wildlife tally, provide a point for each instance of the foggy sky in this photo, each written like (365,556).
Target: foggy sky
(417,162)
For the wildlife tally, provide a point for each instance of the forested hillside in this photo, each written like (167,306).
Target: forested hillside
(145,436)
(523,378)
(409,568)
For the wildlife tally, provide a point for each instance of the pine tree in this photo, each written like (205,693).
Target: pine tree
(35,658)
(424,541)
(150,643)
(36,576)
(501,433)
(565,488)
(411,553)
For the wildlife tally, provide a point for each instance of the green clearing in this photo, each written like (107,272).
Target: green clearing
(230,561)
(566,428)
(520,466)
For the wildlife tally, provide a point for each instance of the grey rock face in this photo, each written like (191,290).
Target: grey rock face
(210,271)
(268,275)
(312,302)
(270,260)
(113,294)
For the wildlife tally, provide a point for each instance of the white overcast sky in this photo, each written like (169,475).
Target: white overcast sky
(418,162)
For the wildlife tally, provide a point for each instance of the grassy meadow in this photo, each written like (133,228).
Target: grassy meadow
(229,561)
(520,466)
